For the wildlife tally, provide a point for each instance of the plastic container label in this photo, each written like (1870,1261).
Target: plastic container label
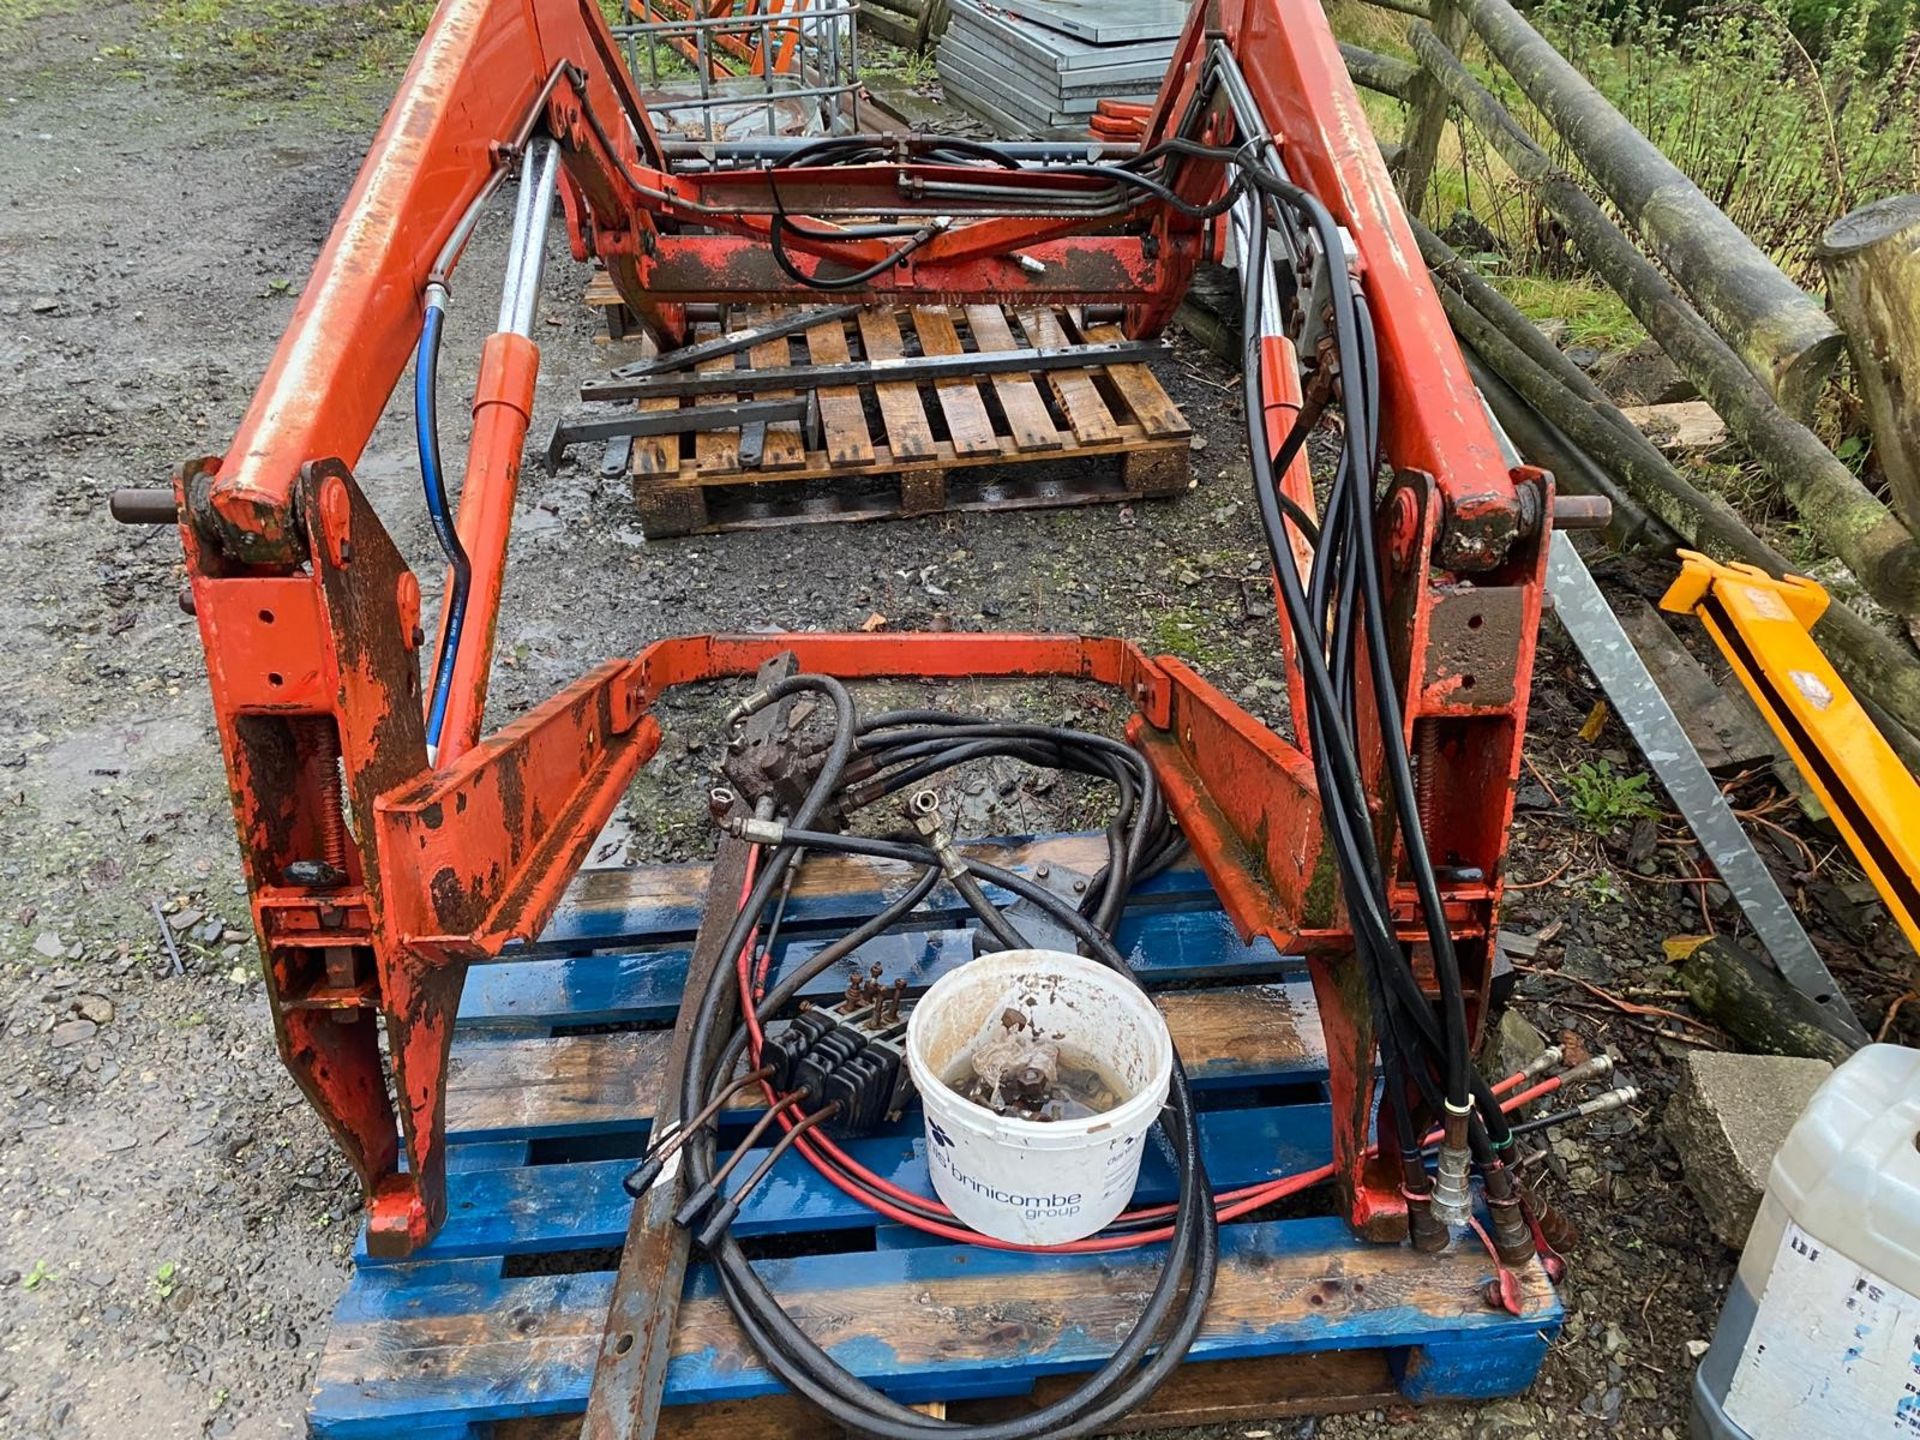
(1834,1350)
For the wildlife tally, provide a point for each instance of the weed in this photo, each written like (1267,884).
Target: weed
(37,1276)
(1601,797)
(165,1279)
(916,70)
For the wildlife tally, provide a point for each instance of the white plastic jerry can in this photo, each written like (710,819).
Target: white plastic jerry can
(1820,1334)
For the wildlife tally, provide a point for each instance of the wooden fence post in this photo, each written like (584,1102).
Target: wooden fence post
(1427,107)
(1848,519)
(1778,330)
(1872,260)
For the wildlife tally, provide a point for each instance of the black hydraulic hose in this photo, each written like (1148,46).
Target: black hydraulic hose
(1129,1375)
(998,926)
(853,281)
(1399,768)
(1116,761)
(1337,771)
(791,984)
(803,1366)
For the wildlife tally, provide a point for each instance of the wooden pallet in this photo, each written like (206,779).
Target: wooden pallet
(491,1332)
(889,450)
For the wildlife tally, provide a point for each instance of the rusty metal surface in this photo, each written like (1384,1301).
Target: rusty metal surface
(311,620)
(630,1375)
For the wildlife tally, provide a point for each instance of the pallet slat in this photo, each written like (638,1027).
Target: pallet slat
(644,985)
(909,436)
(517,1209)
(663,901)
(783,447)
(960,401)
(1078,396)
(1141,390)
(849,443)
(656,457)
(1027,416)
(716,450)
(569,1085)
(932,1323)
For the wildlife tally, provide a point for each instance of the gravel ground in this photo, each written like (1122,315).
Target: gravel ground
(178,1226)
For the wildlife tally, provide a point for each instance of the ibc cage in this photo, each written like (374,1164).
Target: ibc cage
(733,69)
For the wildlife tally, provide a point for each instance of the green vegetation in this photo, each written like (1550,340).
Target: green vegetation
(1786,113)
(1594,314)
(1601,798)
(1185,631)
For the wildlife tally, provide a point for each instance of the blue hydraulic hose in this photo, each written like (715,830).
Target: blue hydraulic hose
(426,429)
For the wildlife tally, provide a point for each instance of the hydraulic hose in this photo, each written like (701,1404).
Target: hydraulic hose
(1137,841)
(426,430)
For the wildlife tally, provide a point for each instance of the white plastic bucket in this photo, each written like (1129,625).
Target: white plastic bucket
(1039,1182)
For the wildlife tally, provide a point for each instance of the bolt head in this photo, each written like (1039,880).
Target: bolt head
(406,600)
(336,520)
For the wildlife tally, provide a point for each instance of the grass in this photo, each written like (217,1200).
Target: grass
(341,60)
(1594,314)
(1785,118)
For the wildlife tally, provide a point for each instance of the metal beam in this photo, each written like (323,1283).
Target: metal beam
(908,368)
(688,420)
(688,356)
(1584,611)
(630,1375)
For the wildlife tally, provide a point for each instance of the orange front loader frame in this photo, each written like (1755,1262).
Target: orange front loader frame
(377,878)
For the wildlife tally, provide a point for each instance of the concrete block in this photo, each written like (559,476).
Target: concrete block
(1511,1045)
(1727,1119)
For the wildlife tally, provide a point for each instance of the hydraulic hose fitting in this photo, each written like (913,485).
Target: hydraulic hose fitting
(923,808)
(1428,1234)
(1452,1205)
(1555,1229)
(1543,1062)
(752,705)
(1610,1100)
(1600,1067)
(1512,1235)
(757,831)
(861,792)
(1416,1187)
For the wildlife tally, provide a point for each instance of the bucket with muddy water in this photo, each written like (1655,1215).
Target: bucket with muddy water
(1040,1074)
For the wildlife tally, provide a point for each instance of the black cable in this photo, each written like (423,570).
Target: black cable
(1177,1305)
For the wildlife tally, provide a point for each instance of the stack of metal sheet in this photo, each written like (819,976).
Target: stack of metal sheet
(1040,67)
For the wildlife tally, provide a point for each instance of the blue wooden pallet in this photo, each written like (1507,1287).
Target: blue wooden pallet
(497,1322)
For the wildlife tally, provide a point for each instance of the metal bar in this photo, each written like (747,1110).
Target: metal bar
(911,368)
(853,65)
(630,1376)
(1584,611)
(778,147)
(568,433)
(688,356)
